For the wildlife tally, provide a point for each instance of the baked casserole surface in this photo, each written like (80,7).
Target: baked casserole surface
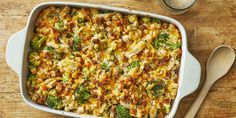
(104,63)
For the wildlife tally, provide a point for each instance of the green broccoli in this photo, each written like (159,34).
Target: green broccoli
(166,108)
(66,76)
(155,20)
(34,58)
(73,13)
(53,102)
(82,94)
(72,56)
(163,36)
(76,39)
(146,19)
(132,65)
(157,44)
(31,67)
(85,73)
(122,112)
(38,42)
(105,66)
(81,20)
(76,43)
(49,48)
(132,18)
(173,45)
(161,39)
(158,89)
(75,47)
(31,77)
(105,12)
(60,25)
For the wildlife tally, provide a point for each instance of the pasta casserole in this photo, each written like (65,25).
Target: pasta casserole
(104,63)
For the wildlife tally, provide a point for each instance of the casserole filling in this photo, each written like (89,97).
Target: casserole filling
(103,63)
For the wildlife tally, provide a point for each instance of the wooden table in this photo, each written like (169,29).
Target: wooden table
(209,23)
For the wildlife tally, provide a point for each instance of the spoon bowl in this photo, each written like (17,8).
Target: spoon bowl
(219,63)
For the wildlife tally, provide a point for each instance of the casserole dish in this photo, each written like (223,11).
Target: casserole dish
(19,44)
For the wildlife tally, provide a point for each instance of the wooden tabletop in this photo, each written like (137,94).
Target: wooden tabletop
(209,23)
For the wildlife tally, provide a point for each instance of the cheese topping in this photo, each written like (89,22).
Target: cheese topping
(104,63)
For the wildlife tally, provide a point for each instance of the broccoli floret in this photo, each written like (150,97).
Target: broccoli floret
(38,42)
(105,12)
(66,76)
(73,13)
(31,77)
(72,56)
(76,39)
(146,19)
(132,18)
(155,20)
(105,66)
(132,65)
(85,73)
(166,108)
(49,48)
(173,45)
(60,25)
(34,58)
(161,39)
(158,89)
(53,102)
(81,20)
(82,94)
(163,36)
(122,112)
(31,67)
(75,47)
(76,43)
(157,44)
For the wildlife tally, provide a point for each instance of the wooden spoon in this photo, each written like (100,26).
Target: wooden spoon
(219,63)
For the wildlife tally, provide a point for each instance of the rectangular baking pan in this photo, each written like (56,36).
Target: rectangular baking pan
(18,47)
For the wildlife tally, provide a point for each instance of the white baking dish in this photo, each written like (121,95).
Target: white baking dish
(18,47)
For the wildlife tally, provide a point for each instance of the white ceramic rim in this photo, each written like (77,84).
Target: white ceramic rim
(18,46)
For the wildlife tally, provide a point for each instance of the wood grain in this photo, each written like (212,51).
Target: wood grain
(208,23)
(218,64)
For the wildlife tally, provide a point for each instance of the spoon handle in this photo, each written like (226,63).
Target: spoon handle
(197,103)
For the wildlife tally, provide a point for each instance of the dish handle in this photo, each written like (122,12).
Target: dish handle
(15,49)
(191,75)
